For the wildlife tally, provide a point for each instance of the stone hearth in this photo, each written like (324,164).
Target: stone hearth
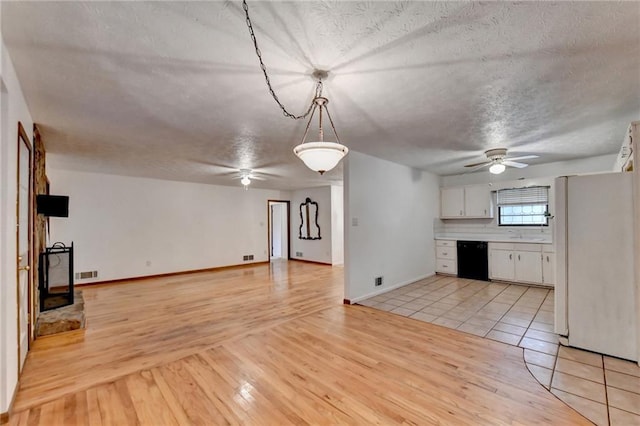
(67,318)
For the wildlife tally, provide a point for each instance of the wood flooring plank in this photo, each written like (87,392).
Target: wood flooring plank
(93,408)
(150,406)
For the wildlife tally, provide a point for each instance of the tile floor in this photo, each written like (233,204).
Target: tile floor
(606,390)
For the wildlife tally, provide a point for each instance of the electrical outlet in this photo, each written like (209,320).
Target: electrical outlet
(250,257)
(377,281)
(299,254)
(245,257)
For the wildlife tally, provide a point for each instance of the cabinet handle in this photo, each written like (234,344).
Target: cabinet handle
(485,212)
(510,256)
(460,212)
(547,258)
(444,254)
(518,257)
(444,266)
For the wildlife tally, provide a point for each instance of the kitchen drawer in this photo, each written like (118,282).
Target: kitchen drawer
(446,253)
(446,266)
(445,243)
(500,246)
(548,248)
(528,247)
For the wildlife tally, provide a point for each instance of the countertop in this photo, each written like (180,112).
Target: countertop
(496,238)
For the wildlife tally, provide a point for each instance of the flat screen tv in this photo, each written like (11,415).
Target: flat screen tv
(53,205)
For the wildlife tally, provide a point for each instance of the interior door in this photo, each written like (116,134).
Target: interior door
(24,213)
(278,229)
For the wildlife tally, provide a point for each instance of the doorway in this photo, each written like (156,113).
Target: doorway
(24,214)
(278,239)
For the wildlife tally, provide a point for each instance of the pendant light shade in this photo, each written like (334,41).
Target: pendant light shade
(320,156)
(497,168)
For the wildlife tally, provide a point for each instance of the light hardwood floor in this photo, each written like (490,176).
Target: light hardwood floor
(270,345)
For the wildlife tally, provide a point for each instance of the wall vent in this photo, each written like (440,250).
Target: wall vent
(245,257)
(377,281)
(250,257)
(86,275)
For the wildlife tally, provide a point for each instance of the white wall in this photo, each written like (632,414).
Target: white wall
(313,250)
(394,207)
(14,109)
(337,225)
(127,227)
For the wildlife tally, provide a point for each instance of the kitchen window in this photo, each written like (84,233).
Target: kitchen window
(523,206)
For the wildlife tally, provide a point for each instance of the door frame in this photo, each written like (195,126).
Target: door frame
(23,138)
(269,227)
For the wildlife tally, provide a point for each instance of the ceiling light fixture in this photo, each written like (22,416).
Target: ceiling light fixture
(245,178)
(319,156)
(497,168)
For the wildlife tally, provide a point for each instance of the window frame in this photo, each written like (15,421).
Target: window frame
(532,196)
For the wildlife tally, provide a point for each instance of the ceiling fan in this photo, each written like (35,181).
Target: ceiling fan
(245,176)
(498,160)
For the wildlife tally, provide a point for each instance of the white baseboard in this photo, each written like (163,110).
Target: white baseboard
(389,288)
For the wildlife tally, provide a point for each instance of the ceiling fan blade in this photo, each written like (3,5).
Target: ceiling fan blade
(524,157)
(483,163)
(514,164)
(478,167)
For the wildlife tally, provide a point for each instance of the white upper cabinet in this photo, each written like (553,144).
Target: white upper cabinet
(477,201)
(452,202)
(471,201)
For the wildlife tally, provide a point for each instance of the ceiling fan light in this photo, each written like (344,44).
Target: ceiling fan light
(321,156)
(497,168)
(245,180)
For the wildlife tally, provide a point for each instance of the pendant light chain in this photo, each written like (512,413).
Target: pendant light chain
(266,76)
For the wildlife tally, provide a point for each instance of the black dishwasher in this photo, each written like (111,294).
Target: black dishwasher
(472,260)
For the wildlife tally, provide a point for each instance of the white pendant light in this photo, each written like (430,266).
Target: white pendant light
(320,156)
(497,168)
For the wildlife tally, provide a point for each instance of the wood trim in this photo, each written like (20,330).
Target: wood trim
(313,261)
(24,138)
(168,274)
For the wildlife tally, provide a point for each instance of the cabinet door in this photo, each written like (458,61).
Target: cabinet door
(502,265)
(452,202)
(477,201)
(528,266)
(548,269)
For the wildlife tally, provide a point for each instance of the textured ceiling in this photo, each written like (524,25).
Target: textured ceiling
(174,90)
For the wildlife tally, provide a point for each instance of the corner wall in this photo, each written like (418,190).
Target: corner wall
(126,227)
(389,214)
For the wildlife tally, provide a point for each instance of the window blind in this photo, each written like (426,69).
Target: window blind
(518,196)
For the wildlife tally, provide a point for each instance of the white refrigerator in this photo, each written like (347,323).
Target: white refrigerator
(595,291)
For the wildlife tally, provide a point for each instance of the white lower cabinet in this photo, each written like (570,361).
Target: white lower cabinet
(521,262)
(446,257)
(548,265)
(501,265)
